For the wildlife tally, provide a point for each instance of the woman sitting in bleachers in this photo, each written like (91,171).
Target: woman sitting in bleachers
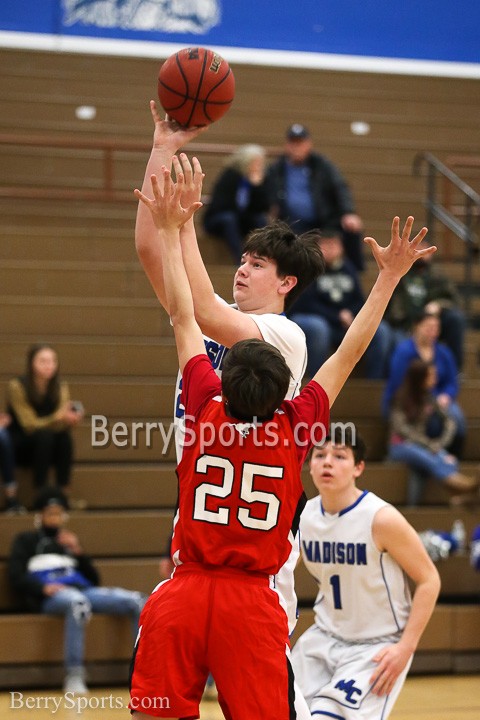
(421,429)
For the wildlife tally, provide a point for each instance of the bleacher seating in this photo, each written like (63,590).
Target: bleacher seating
(69,275)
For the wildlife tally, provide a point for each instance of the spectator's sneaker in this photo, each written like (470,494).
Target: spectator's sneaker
(75,682)
(14,507)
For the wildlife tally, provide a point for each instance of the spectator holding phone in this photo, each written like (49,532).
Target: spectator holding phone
(50,573)
(42,418)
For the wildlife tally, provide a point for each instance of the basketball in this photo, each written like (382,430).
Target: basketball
(196,86)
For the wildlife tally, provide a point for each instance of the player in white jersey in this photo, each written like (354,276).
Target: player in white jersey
(352,663)
(276,266)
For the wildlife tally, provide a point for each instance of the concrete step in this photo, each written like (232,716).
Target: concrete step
(125,440)
(122,397)
(105,355)
(61,231)
(38,639)
(108,486)
(67,316)
(110,534)
(89,279)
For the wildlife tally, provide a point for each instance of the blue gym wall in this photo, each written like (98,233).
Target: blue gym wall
(439,30)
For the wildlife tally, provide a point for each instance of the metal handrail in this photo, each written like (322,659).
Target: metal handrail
(109,148)
(438,211)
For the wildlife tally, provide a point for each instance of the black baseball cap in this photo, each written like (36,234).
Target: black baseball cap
(50,496)
(297,132)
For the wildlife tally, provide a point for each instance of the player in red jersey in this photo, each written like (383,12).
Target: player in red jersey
(240,495)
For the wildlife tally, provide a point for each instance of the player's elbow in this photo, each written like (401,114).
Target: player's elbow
(143,247)
(435,582)
(206,311)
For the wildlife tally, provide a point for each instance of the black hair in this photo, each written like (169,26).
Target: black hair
(297,255)
(50,496)
(255,379)
(346,435)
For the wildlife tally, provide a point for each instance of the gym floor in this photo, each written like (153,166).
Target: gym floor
(434,697)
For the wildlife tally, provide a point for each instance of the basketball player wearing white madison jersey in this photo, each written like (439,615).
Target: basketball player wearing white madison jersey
(352,663)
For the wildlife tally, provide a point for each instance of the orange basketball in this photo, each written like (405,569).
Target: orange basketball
(196,86)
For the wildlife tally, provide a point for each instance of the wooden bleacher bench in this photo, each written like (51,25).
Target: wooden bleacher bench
(70,275)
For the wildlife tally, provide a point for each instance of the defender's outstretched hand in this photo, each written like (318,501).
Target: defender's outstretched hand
(166,208)
(399,256)
(193,176)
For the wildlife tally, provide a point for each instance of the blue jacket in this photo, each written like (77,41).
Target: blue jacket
(404,353)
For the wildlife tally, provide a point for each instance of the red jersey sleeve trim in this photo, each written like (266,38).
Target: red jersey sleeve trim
(309,416)
(199,384)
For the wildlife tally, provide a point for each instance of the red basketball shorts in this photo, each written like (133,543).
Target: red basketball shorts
(219,620)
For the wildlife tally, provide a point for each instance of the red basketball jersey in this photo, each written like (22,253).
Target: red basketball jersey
(240,489)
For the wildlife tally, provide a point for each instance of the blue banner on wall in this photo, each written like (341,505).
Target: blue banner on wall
(411,30)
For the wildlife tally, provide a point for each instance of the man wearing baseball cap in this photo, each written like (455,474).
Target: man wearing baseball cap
(308,191)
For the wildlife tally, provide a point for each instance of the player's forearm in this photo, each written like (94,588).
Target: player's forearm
(423,605)
(188,336)
(365,324)
(145,230)
(202,289)
(146,237)
(178,294)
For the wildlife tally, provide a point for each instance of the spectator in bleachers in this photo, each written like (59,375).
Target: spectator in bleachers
(421,429)
(42,418)
(326,309)
(239,199)
(51,574)
(423,343)
(426,288)
(307,191)
(7,467)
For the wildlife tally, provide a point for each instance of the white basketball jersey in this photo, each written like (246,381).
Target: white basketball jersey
(363,593)
(289,338)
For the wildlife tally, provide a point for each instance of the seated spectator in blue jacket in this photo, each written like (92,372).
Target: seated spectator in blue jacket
(420,432)
(423,343)
(239,199)
(325,311)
